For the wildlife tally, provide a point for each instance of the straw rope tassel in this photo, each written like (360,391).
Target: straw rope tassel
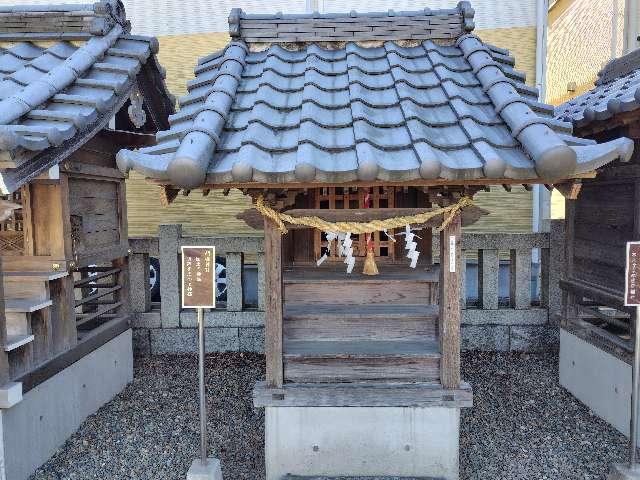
(370,267)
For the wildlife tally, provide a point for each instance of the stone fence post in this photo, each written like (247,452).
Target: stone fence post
(556,268)
(140,294)
(169,241)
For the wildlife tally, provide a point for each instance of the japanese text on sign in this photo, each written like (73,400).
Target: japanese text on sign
(632,277)
(198,277)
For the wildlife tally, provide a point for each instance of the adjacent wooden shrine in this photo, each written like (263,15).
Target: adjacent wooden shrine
(63,241)
(603,213)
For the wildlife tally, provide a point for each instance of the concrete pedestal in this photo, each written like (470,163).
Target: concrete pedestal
(598,379)
(362,441)
(623,472)
(210,471)
(32,429)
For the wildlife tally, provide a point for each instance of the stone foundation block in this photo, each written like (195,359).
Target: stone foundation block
(489,338)
(534,338)
(251,340)
(141,342)
(362,441)
(33,429)
(185,340)
(210,471)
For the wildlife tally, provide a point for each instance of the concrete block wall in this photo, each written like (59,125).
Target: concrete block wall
(224,332)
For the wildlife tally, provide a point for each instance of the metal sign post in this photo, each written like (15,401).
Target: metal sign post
(199,292)
(632,298)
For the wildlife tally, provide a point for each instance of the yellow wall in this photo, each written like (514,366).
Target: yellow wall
(215,214)
(579,44)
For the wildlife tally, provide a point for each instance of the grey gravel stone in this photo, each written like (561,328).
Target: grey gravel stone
(523,424)
(151,430)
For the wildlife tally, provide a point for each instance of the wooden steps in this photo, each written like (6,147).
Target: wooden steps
(27,302)
(25,305)
(394,285)
(340,327)
(350,361)
(29,284)
(379,322)
(363,394)
(16,341)
(19,323)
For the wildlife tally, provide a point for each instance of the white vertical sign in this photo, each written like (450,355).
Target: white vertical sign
(452,253)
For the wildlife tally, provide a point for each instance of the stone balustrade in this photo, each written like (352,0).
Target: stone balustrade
(512,294)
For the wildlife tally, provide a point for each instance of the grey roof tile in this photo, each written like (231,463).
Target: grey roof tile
(356,112)
(53,91)
(617,90)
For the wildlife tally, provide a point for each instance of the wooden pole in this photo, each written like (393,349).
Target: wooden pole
(273,303)
(450,258)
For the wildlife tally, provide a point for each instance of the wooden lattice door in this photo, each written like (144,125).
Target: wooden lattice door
(11,229)
(338,198)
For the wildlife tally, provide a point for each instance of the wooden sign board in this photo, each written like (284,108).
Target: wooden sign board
(632,275)
(198,277)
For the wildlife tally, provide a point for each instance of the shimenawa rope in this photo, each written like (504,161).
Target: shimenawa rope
(362,227)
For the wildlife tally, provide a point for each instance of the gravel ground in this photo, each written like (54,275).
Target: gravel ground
(523,424)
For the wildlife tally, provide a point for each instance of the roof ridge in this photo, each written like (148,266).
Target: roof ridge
(60,77)
(353,26)
(553,158)
(97,18)
(191,161)
(618,67)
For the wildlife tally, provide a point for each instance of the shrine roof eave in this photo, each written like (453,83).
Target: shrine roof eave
(439,182)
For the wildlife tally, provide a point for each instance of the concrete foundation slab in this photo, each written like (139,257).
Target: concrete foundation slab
(32,430)
(623,472)
(210,471)
(10,394)
(362,441)
(598,379)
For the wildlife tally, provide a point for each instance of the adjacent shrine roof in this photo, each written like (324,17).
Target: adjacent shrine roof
(395,96)
(616,90)
(65,70)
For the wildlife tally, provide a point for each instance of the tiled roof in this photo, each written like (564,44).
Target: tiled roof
(395,112)
(617,90)
(54,96)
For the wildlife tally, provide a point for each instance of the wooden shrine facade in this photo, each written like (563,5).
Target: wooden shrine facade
(606,213)
(327,332)
(64,285)
(598,223)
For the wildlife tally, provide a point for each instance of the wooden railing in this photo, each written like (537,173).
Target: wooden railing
(491,320)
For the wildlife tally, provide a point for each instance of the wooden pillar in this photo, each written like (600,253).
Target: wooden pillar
(569,299)
(450,249)
(273,303)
